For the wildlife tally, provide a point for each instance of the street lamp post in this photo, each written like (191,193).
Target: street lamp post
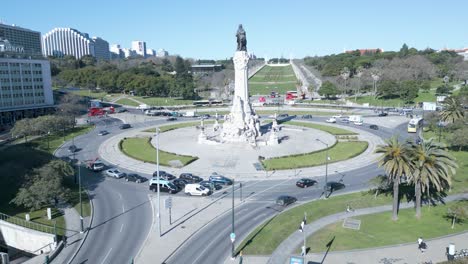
(81,203)
(157,179)
(233,236)
(326,165)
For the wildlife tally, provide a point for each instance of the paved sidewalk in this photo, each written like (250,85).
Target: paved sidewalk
(294,241)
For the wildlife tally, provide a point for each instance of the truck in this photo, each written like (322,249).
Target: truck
(95,165)
(355,118)
(190,114)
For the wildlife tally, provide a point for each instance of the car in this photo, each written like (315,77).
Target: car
(306,117)
(337,116)
(358,123)
(285,200)
(121,110)
(115,173)
(73,148)
(171,118)
(331,120)
(305,182)
(375,127)
(103,133)
(344,119)
(283,115)
(164,186)
(205,116)
(332,186)
(164,175)
(196,189)
(383,114)
(190,178)
(179,183)
(216,178)
(211,185)
(133,177)
(125,126)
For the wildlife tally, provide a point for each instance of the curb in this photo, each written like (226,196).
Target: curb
(86,232)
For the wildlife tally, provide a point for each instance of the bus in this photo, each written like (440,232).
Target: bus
(414,124)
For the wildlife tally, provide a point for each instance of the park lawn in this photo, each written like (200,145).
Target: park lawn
(338,152)
(126,101)
(330,129)
(267,236)
(267,79)
(141,149)
(56,140)
(40,216)
(380,102)
(162,101)
(267,88)
(380,230)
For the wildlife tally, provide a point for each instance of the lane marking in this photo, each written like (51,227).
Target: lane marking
(121,228)
(274,186)
(107,255)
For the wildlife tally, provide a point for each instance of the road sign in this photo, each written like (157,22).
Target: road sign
(168,203)
(233,237)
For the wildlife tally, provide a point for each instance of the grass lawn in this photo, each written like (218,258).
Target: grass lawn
(338,152)
(162,101)
(379,230)
(267,88)
(125,101)
(267,237)
(40,216)
(330,129)
(141,149)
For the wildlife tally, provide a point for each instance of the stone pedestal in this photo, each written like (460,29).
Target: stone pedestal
(273,138)
(241,124)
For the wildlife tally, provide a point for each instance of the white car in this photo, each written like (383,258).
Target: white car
(196,189)
(103,133)
(331,120)
(358,123)
(337,116)
(115,173)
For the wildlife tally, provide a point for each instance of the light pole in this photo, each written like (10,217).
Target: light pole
(326,165)
(157,179)
(233,234)
(81,203)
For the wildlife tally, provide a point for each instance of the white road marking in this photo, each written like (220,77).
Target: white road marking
(123,208)
(107,255)
(276,185)
(121,228)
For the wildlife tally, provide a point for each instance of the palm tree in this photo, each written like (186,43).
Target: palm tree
(396,163)
(453,110)
(433,167)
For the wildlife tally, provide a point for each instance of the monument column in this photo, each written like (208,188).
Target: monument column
(241,59)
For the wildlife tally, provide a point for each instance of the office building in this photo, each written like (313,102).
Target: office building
(150,52)
(101,49)
(139,47)
(20,40)
(129,53)
(116,52)
(162,53)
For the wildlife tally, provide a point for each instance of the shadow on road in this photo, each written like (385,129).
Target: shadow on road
(114,217)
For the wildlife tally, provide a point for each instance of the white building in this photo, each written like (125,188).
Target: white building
(150,52)
(60,42)
(139,47)
(128,53)
(116,52)
(162,53)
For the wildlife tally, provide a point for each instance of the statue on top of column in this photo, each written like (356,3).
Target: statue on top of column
(241,39)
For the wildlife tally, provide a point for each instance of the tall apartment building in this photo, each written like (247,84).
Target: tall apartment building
(162,53)
(60,42)
(25,84)
(28,40)
(139,47)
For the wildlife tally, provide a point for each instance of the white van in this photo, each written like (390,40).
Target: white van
(196,189)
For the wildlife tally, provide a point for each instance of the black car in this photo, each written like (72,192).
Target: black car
(171,118)
(121,110)
(283,115)
(216,178)
(125,126)
(306,117)
(190,178)
(383,114)
(164,175)
(73,148)
(180,183)
(305,182)
(333,186)
(285,200)
(205,116)
(375,127)
(211,185)
(135,178)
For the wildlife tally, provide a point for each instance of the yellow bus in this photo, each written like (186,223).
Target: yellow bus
(414,124)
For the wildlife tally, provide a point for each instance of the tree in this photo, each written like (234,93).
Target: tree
(404,50)
(458,211)
(44,185)
(23,128)
(425,86)
(453,110)
(166,65)
(395,160)
(433,167)
(459,138)
(409,90)
(328,89)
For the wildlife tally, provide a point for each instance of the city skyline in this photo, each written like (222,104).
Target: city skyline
(206,30)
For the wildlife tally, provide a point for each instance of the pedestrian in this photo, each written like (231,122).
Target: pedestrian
(348,208)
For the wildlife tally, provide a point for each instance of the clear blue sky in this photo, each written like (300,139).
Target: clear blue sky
(205,29)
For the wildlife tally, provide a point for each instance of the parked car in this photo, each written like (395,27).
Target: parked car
(331,120)
(125,126)
(133,177)
(216,178)
(180,183)
(73,148)
(190,178)
(383,114)
(103,133)
(305,182)
(375,127)
(285,200)
(115,173)
(211,185)
(196,189)
(171,118)
(164,175)
(306,117)
(164,186)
